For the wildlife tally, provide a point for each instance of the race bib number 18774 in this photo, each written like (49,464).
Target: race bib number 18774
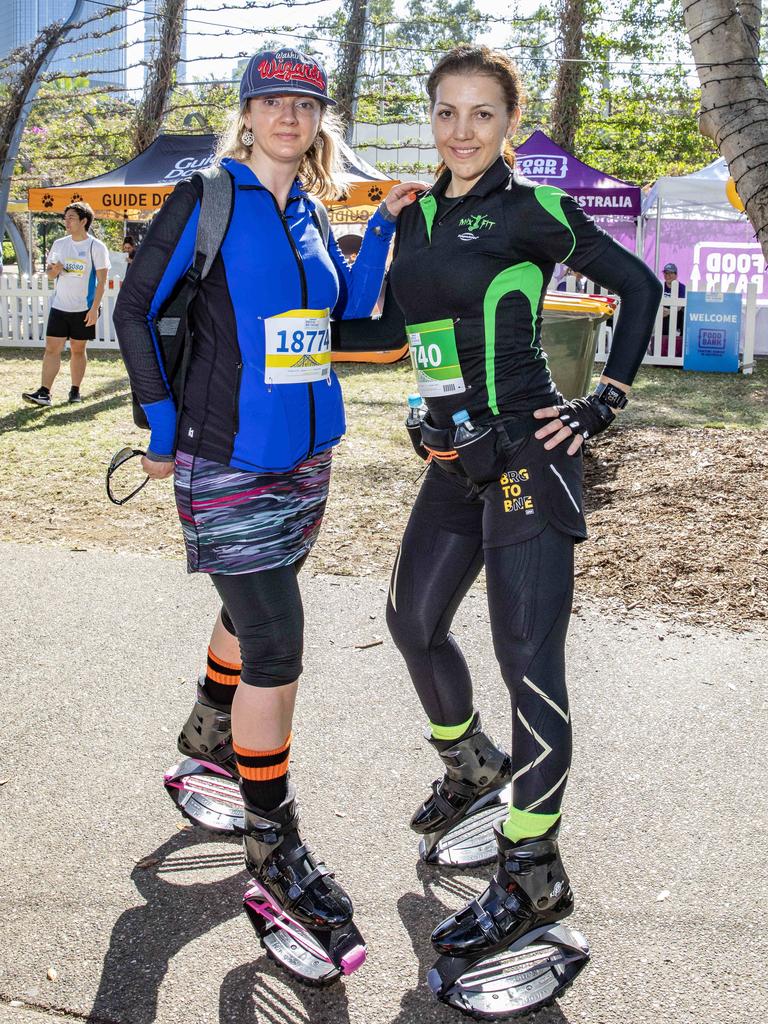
(298,347)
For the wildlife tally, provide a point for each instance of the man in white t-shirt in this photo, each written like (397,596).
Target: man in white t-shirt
(79,264)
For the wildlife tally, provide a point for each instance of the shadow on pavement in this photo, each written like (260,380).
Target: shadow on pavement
(30,417)
(250,995)
(420,914)
(145,938)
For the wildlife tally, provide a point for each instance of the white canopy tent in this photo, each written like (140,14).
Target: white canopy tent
(713,245)
(689,192)
(697,196)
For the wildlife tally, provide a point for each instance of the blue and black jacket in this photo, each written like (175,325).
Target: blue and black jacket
(270,262)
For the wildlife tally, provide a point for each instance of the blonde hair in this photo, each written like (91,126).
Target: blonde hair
(320,169)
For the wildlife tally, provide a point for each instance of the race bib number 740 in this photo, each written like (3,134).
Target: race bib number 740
(297,347)
(435,358)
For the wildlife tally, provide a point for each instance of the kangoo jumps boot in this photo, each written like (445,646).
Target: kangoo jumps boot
(207,733)
(530,889)
(283,864)
(474,767)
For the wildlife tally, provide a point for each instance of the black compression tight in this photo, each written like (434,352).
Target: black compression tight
(265,610)
(530,588)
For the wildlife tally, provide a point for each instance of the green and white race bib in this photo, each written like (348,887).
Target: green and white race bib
(435,358)
(297,347)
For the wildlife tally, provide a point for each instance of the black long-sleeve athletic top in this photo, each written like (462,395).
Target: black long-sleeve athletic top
(470,275)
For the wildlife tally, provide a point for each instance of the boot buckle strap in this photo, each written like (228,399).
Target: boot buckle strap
(484,920)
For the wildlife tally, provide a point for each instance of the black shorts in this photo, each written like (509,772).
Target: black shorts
(69,325)
(539,488)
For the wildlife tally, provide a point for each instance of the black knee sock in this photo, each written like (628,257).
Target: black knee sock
(264,774)
(221,679)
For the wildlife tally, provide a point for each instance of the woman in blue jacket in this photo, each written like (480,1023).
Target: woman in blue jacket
(251,446)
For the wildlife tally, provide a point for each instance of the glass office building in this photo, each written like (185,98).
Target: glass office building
(102,60)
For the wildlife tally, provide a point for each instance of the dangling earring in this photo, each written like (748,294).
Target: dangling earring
(247,137)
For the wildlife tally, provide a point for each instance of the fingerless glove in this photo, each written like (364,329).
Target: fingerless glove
(586,416)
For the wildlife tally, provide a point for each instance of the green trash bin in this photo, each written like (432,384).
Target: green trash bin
(570,326)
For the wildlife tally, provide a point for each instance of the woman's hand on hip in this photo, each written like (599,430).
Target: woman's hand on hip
(156,470)
(574,421)
(402,195)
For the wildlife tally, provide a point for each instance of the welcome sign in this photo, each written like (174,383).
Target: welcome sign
(712,331)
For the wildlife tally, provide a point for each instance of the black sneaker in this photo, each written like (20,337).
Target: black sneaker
(74,396)
(40,397)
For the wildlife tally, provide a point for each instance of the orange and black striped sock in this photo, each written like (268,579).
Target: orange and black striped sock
(264,774)
(221,679)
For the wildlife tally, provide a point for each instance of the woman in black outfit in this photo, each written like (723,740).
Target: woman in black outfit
(472,260)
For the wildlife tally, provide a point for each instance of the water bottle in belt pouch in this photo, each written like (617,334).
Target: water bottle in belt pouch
(417,410)
(438,445)
(480,447)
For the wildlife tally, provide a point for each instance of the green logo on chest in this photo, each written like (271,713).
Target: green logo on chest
(477,222)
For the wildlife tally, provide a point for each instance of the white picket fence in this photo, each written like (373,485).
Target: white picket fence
(24,306)
(25,301)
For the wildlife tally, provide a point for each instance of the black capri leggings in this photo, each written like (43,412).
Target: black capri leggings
(264,611)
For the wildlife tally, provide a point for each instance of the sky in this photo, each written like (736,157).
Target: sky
(212,31)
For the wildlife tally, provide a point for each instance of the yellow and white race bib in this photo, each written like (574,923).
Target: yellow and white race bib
(75,267)
(297,347)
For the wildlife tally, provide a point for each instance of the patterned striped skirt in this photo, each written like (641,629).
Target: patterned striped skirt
(236,522)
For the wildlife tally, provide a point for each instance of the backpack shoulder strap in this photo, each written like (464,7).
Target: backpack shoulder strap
(320,217)
(215,214)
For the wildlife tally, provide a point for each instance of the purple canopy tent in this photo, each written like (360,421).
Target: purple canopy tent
(598,194)
(613,202)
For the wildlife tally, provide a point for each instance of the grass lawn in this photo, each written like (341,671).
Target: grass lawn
(676,515)
(665,397)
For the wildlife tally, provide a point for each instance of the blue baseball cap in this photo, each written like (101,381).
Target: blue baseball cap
(273,72)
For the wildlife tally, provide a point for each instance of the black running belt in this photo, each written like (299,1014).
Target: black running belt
(518,429)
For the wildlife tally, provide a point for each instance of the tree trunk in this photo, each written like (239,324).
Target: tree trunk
(725,41)
(350,60)
(566,102)
(161,75)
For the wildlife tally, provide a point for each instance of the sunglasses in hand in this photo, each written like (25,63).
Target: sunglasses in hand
(121,487)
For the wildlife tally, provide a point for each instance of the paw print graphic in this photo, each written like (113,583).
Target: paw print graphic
(375,194)
(76,197)
(47,201)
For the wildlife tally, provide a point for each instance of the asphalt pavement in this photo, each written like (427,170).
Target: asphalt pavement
(113,912)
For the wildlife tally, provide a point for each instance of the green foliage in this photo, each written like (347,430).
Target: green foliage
(203,107)
(71,135)
(400,52)
(640,95)
(9,253)
(641,135)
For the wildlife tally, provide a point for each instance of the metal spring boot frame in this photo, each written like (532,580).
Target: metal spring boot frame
(208,732)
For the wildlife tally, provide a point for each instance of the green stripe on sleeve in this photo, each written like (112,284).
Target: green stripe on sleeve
(549,198)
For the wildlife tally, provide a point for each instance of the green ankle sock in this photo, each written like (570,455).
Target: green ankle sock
(525,825)
(450,733)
